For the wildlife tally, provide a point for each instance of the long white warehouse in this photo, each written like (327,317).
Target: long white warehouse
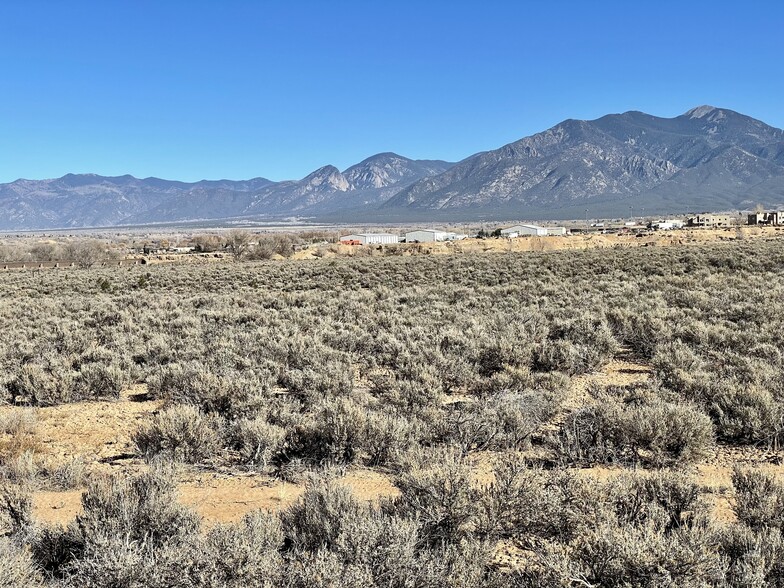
(371,238)
(431,235)
(521,230)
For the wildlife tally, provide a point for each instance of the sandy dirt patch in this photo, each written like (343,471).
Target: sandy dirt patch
(221,498)
(100,432)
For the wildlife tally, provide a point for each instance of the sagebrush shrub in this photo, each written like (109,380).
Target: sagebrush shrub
(319,517)
(182,433)
(241,555)
(759,499)
(652,430)
(439,490)
(39,386)
(17,569)
(379,358)
(257,440)
(16,508)
(753,558)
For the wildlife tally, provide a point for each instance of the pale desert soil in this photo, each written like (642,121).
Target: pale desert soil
(99,434)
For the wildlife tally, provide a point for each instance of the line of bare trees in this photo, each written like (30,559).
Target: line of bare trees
(243,244)
(82,252)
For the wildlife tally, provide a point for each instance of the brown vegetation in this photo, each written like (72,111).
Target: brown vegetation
(466,392)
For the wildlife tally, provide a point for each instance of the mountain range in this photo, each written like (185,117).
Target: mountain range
(705,159)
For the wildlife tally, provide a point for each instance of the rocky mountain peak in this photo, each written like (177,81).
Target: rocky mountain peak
(707,158)
(709,153)
(701,111)
(388,169)
(327,177)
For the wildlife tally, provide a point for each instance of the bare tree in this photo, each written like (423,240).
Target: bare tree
(44,252)
(87,253)
(275,244)
(207,243)
(264,249)
(238,243)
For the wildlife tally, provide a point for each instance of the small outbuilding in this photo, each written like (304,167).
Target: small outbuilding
(370,239)
(524,231)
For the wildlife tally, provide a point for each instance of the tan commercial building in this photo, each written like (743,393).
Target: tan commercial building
(710,220)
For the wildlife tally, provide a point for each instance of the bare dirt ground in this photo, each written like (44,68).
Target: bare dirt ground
(99,432)
(221,498)
(621,371)
(99,435)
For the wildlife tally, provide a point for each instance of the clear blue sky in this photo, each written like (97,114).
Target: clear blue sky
(229,89)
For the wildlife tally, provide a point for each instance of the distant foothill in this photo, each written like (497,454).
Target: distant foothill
(705,159)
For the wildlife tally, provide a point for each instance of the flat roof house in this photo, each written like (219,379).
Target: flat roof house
(764,218)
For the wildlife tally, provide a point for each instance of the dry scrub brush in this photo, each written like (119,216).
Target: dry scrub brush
(639,529)
(414,365)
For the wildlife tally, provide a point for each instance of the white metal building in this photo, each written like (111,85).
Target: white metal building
(431,235)
(372,238)
(667,225)
(557,231)
(524,230)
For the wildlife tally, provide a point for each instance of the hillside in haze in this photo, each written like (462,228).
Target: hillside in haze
(706,159)
(90,200)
